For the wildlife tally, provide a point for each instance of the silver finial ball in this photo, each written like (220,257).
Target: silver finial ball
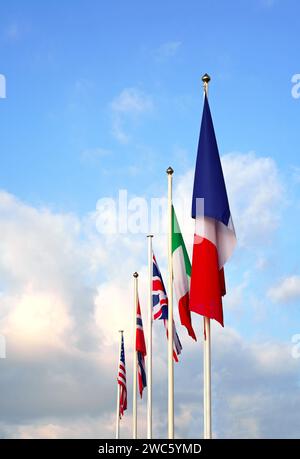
(170,171)
(135,274)
(206,78)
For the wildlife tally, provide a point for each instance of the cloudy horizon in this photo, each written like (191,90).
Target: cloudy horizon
(87,115)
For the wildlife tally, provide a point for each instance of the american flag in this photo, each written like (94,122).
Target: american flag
(122,380)
(160,306)
(140,350)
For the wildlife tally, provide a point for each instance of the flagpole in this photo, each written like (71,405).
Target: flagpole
(207,344)
(134,401)
(207,379)
(170,313)
(149,350)
(118,392)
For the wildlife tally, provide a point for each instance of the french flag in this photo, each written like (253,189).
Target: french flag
(214,239)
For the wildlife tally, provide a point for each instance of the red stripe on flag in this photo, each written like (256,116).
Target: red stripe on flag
(157,285)
(185,315)
(205,292)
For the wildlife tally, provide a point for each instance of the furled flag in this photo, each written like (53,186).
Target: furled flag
(122,380)
(214,239)
(181,275)
(160,306)
(140,350)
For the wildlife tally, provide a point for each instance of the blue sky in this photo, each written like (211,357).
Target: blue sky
(64,65)
(103,96)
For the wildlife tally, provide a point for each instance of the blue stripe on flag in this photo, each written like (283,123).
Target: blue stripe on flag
(209,181)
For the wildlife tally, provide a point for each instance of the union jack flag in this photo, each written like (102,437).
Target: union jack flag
(140,350)
(122,380)
(160,306)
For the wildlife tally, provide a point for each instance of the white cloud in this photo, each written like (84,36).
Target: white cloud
(37,319)
(287,290)
(67,290)
(295,174)
(2,86)
(92,155)
(234,297)
(129,105)
(255,192)
(42,269)
(256,196)
(118,130)
(246,377)
(82,427)
(267,3)
(167,50)
(117,299)
(132,101)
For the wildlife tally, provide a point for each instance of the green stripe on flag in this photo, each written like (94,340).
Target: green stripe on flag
(177,241)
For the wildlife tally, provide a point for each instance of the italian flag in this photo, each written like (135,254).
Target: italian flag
(181,275)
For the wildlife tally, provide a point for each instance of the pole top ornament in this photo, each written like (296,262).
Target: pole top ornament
(206,78)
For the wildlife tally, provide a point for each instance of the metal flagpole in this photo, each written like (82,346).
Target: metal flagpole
(170,313)
(134,406)
(207,344)
(118,392)
(207,380)
(149,350)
